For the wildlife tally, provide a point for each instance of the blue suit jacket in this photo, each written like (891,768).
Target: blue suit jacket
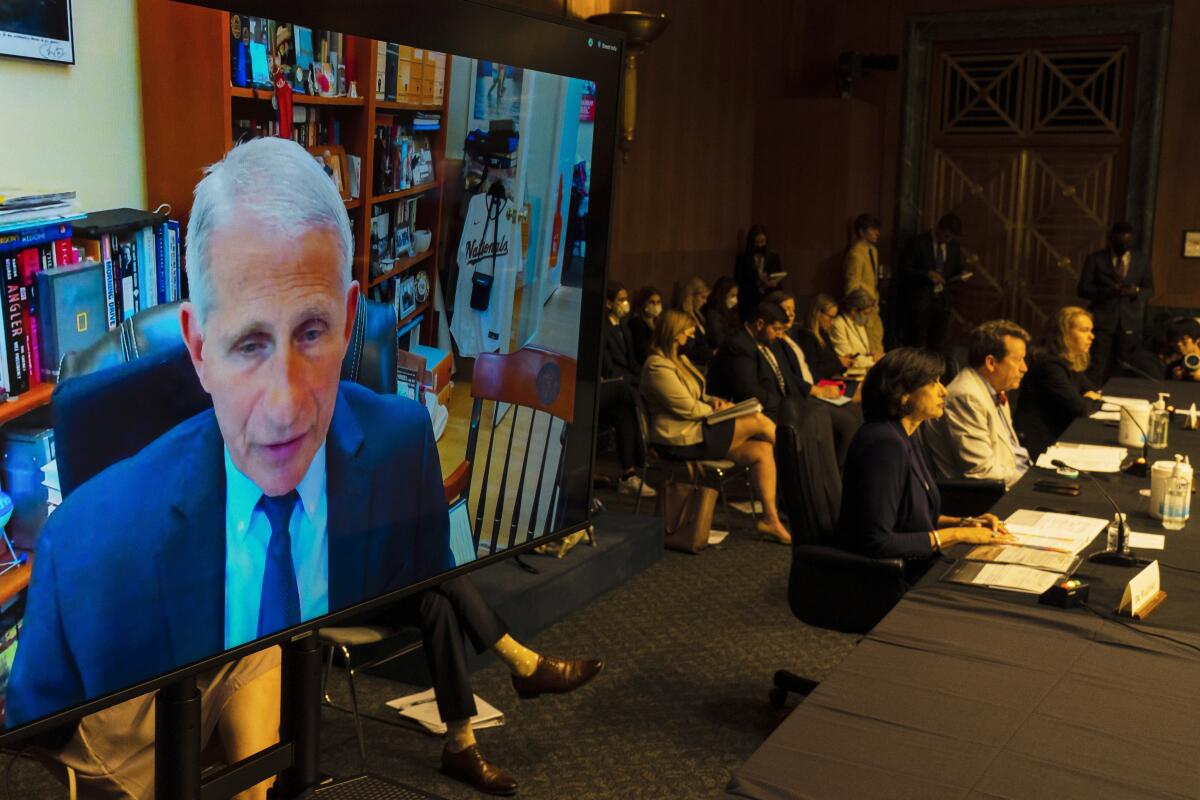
(129,576)
(887,512)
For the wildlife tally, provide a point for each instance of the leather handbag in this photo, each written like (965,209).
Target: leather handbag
(687,511)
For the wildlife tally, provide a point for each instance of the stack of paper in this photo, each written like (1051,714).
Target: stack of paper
(1084,457)
(421,708)
(1014,577)
(1065,533)
(1025,556)
(23,205)
(53,488)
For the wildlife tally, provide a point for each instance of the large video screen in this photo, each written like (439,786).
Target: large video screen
(448,164)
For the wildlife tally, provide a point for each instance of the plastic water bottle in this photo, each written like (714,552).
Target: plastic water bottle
(1114,531)
(1160,422)
(1177,499)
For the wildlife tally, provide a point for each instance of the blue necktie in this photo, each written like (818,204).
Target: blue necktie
(279,606)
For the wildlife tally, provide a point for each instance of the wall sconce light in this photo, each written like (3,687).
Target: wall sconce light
(640,29)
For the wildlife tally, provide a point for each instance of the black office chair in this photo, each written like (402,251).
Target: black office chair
(139,379)
(828,586)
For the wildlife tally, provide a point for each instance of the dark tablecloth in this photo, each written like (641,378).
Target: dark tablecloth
(970,693)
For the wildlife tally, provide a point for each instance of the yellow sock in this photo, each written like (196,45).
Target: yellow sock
(459,735)
(521,660)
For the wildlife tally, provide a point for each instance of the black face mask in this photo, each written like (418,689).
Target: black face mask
(760,250)
(1120,248)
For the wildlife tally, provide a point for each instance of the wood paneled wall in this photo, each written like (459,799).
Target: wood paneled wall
(685,197)
(879,26)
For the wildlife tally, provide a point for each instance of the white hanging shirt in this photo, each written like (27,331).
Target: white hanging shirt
(491,247)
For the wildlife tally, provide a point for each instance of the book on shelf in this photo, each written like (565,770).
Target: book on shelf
(141,257)
(742,409)
(23,254)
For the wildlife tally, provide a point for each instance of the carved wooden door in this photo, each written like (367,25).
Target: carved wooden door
(1028,144)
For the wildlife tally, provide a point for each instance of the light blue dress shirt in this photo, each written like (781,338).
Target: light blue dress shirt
(247,533)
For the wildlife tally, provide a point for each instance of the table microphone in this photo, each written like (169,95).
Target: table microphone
(1123,364)
(1121,556)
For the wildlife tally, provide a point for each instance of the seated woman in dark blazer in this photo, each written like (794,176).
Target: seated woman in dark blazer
(721,311)
(813,338)
(1056,390)
(647,305)
(891,507)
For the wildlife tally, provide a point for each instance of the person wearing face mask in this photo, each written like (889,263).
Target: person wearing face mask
(1116,282)
(849,335)
(862,271)
(720,312)
(754,269)
(975,438)
(620,372)
(1057,389)
(647,306)
(813,338)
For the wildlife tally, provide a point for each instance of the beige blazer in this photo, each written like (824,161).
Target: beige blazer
(971,439)
(861,275)
(849,338)
(675,401)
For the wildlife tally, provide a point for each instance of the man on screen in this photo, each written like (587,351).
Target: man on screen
(294,496)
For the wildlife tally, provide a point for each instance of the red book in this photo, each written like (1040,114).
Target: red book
(28,265)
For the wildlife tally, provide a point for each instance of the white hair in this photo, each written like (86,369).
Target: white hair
(274,183)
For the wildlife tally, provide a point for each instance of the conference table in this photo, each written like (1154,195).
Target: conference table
(969,692)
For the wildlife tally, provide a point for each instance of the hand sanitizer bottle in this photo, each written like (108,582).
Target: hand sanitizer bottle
(1160,422)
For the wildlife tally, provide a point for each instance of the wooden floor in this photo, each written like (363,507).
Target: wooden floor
(559,331)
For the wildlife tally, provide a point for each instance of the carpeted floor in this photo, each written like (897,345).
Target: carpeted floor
(690,645)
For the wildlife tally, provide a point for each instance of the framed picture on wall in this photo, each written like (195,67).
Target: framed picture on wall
(38,29)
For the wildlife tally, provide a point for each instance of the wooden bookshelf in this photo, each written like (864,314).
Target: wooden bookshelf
(15,580)
(189,106)
(36,397)
(401,266)
(404,193)
(297,99)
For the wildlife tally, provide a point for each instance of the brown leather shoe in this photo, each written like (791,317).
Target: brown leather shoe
(557,676)
(469,766)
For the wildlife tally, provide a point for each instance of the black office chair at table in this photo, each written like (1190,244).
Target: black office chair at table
(828,586)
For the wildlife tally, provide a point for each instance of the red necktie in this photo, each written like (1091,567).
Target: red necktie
(1001,399)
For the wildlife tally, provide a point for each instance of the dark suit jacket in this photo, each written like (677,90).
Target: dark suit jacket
(717,326)
(740,372)
(1051,398)
(746,277)
(641,334)
(917,261)
(822,360)
(887,512)
(129,577)
(618,358)
(1098,284)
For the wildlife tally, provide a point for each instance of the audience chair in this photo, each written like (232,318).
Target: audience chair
(711,471)
(828,586)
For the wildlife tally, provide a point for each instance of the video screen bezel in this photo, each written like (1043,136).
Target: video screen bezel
(556,45)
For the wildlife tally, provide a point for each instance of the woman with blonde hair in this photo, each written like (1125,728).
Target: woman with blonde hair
(1057,390)
(692,298)
(813,338)
(677,403)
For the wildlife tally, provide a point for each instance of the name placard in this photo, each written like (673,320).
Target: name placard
(1142,594)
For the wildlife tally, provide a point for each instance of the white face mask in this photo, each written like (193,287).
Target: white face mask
(622,308)
(731,301)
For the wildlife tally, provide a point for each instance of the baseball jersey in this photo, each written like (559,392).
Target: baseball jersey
(491,245)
